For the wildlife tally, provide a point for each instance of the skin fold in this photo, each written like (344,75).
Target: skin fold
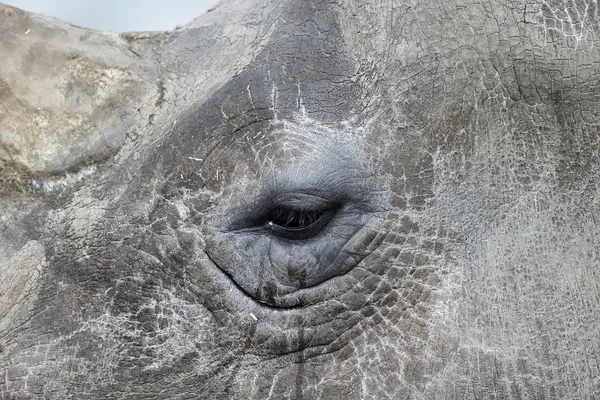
(306,200)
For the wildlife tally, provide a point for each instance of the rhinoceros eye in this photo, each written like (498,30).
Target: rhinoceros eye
(293,224)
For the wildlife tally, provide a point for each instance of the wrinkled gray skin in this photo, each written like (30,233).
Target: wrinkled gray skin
(455,144)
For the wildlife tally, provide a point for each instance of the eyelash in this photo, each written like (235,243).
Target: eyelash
(292,219)
(290,224)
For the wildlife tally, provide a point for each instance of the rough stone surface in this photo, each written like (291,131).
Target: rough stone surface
(155,190)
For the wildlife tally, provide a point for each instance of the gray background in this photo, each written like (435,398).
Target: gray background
(119,15)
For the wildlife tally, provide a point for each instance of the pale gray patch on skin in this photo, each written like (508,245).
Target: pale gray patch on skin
(51,184)
(573,23)
(183,325)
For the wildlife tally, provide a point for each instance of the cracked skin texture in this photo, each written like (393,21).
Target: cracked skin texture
(455,143)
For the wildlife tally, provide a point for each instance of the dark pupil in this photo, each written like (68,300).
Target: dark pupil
(295,219)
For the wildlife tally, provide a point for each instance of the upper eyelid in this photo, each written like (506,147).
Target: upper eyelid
(301,203)
(291,199)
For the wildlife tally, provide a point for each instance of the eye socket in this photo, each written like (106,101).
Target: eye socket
(297,225)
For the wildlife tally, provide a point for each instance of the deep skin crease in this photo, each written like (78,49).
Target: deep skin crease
(320,200)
